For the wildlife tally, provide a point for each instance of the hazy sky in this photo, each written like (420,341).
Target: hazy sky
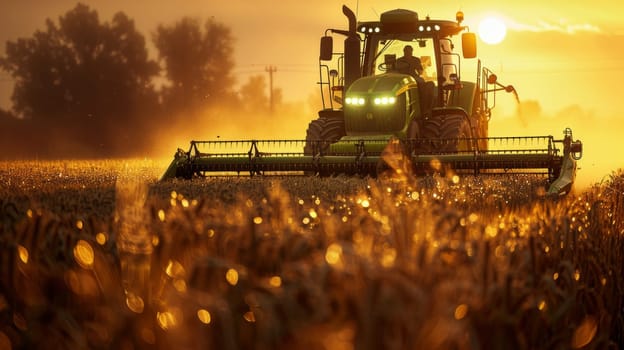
(554,42)
(565,56)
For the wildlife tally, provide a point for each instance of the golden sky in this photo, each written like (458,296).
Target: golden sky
(563,56)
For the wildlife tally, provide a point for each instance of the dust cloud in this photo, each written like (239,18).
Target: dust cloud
(601,135)
(288,121)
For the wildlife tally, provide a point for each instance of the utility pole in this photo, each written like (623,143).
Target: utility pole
(271,70)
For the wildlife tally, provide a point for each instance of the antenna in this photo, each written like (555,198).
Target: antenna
(357,8)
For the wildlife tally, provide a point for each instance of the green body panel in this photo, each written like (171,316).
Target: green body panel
(369,118)
(359,144)
(464,97)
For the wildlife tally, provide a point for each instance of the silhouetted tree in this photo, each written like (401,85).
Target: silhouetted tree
(198,63)
(81,72)
(253,94)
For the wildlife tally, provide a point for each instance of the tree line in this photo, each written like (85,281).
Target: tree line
(92,84)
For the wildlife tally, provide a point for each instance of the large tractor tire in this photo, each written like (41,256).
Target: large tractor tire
(321,133)
(446,133)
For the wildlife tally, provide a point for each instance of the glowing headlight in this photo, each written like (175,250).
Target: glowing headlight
(356,101)
(385,100)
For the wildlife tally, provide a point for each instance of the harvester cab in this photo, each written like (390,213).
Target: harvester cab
(376,102)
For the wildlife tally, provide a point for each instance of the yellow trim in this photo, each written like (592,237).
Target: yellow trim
(405,88)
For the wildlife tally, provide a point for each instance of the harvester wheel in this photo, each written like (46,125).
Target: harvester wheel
(447,133)
(321,133)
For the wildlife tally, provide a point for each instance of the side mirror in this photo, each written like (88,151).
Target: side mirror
(327,48)
(469,45)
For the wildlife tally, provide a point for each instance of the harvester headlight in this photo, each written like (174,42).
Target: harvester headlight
(385,100)
(355,101)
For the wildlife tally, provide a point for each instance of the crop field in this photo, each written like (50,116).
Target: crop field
(100,255)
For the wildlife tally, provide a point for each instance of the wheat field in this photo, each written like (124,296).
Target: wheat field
(99,255)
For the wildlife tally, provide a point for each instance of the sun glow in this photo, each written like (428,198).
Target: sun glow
(492,30)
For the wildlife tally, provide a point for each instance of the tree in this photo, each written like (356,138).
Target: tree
(198,63)
(253,94)
(81,72)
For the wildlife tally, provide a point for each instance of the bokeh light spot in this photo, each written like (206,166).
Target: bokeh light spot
(83,253)
(333,253)
(23,254)
(204,316)
(249,317)
(101,238)
(232,276)
(275,281)
(461,311)
(166,320)
(175,269)
(135,303)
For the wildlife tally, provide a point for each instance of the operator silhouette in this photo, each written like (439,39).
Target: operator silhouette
(409,64)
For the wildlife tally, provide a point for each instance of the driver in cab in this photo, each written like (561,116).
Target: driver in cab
(409,64)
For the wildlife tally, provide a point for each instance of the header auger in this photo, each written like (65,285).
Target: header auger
(374,104)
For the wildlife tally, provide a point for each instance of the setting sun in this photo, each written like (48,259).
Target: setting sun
(492,30)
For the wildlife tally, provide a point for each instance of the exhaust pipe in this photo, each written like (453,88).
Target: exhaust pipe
(352,69)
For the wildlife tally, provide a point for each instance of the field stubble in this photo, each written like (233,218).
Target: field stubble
(101,255)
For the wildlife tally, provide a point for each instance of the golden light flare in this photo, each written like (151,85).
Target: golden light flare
(23,253)
(461,311)
(249,317)
(365,203)
(492,30)
(166,320)
(455,179)
(333,254)
(231,276)
(101,238)
(135,303)
(174,269)
(204,316)
(83,253)
(275,281)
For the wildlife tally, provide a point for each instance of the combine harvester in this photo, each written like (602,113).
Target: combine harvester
(376,110)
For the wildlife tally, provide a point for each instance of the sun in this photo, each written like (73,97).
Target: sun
(492,30)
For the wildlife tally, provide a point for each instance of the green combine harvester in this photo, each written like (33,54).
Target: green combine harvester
(383,113)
